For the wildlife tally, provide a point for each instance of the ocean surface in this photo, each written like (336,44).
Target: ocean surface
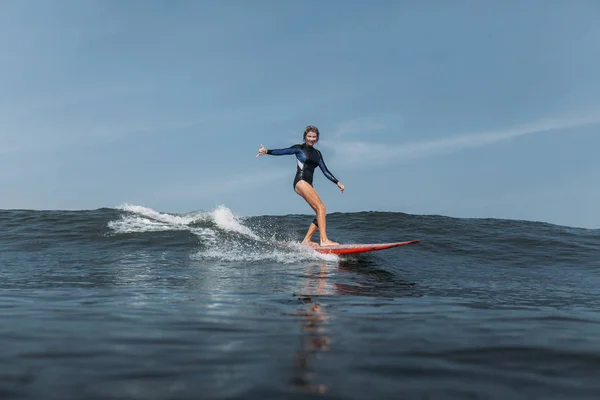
(133,303)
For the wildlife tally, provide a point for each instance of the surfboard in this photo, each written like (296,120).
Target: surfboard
(360,247)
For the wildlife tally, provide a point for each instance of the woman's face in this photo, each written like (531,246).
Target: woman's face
(311,138)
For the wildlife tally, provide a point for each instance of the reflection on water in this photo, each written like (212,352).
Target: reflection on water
(363,277)
(315,336)
(355,277)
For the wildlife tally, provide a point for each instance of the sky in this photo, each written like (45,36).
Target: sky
(461,108)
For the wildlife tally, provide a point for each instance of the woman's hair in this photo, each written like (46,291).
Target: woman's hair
(311,128)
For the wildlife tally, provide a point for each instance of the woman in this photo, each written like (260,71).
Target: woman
(308,158)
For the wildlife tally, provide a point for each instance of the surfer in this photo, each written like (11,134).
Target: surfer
(308,158)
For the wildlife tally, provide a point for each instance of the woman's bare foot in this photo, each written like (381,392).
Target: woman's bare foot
(328,243)
(310,243)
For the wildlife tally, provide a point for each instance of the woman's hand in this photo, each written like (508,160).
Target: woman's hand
(262,151)
(341,186)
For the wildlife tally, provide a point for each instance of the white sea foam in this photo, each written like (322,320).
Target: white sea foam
(217,241)
(135,223)
(170,219)
(225,220)
(284,253)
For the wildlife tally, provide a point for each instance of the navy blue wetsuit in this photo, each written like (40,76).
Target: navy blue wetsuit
(308,158)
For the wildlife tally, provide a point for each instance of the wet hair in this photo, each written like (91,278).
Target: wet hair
(311,128)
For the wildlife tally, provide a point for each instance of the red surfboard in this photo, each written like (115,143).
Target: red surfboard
(359,248)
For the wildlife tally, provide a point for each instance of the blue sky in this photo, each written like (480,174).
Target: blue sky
(460,108)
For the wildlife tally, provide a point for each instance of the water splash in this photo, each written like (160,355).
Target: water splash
(172,220)
(281,252)
(225,220)
(223,235)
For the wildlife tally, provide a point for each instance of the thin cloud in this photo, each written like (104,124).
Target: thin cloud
(209,189)
(366,124)
(237,183)
(52,139)
(380,153)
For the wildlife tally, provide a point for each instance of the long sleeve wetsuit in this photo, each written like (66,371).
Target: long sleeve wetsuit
(307,158)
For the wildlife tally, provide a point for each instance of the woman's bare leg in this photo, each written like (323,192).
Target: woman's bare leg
(311,231)
(312,198)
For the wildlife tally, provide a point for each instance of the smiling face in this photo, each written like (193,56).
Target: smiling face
(311,135)
(311,138)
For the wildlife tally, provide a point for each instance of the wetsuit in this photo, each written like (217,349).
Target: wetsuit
(308,158)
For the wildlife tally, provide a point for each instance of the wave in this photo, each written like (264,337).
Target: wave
(222,235)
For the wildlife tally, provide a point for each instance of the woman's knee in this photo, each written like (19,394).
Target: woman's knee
(320,208)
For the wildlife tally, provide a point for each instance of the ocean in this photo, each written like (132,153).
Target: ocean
(134,303)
